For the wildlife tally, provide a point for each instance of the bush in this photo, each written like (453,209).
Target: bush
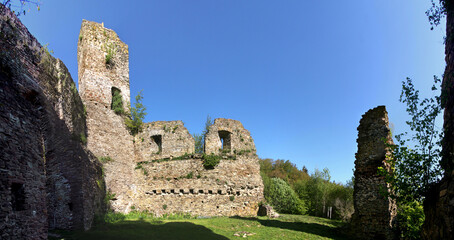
(410,217)
(135,121)
(117,102)
(105,159)
(210,161)
(282,197)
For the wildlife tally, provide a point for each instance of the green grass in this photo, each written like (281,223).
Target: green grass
(285,227)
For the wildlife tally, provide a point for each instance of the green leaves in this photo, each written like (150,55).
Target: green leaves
(198,143)
(417,167)
(283,198)
(117,102)
(135,121)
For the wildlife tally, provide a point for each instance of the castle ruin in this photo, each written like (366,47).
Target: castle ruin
(52,138)
(157,170)
(374,211)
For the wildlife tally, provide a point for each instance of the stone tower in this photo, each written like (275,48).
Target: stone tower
(374,213)
(103,61)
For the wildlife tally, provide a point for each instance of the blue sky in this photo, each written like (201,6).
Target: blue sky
(297,74)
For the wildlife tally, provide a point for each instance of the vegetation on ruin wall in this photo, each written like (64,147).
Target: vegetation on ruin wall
(209,161)
(315,193)
(117,102)
(139,225)
(134,121)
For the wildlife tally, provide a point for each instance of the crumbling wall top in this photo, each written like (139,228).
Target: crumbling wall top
(103,61)
(163,139)
(228,136)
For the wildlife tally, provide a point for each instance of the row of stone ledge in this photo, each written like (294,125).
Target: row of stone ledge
(192,191)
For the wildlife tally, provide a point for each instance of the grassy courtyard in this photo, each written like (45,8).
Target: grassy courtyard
(285,227)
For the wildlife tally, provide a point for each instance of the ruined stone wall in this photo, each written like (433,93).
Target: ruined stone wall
(374,213)
(233,187)
(48,179)
(163,139)
(107,134)
(228,136)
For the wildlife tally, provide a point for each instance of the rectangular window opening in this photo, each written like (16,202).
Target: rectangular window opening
(225,137)
(18,196)
(156,140)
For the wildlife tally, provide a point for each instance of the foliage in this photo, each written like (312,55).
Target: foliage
(189,175)
(232,198)
(83,138)
(135,121)
(110,54)
(282,197)
(105,159)
(117,102)
(410,218)
(284,170)
(316,191)
(210,161)
(198,142)
(415,169)
(139,166)
(19,7)
(436,12)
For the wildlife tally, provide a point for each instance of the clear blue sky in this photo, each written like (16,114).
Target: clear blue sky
(297,74)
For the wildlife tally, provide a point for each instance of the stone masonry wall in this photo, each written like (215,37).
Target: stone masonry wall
(234,187)
(374,213)
(228,136)
(48,179)
(107,134)
(163,139)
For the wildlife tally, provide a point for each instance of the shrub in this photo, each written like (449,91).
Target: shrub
(410,217)
(210,161)
(232,198)
(117,102)
(279,194)
(190,175)
(164,206)
(137,114)
(83,139)
(105,159)
(109,55)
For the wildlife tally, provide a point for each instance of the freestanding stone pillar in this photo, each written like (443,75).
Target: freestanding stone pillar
(374,213)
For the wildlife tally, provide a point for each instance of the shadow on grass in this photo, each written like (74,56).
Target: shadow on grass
(144,230)
(311,228)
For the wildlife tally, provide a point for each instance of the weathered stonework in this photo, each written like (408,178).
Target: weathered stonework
(228,136)
(107,135)
(234,187)
(163,139)
(144,173)
(47,178)
(374,214)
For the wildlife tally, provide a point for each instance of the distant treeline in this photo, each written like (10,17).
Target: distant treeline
(291,190)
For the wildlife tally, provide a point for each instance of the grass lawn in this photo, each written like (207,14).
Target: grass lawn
(285,227)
